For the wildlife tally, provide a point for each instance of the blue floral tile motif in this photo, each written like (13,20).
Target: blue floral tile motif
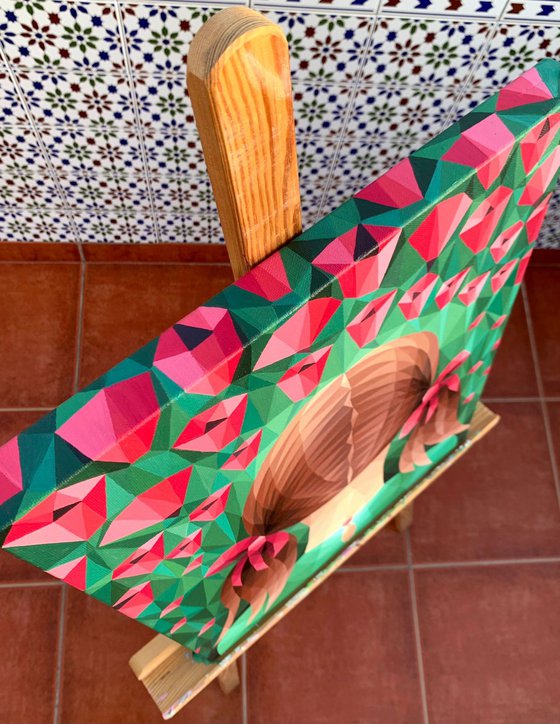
(35,224)
(515,48)
(328,47)
(116,228)
(97,131)
(158,36)
(169,153)
(182,195)
(412,48)
(321,109)
(61,35)
(69,98)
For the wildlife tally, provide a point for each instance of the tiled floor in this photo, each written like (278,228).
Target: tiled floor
(456,623)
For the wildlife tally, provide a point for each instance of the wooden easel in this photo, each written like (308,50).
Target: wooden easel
(238,78)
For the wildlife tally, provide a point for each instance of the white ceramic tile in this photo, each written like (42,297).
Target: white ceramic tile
(72,99)
(416,50)
(320,110)
(61,35)
(327,47)
(35,224)
(516,48)
(544,11)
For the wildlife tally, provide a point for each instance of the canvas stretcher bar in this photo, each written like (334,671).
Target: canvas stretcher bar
(168,671)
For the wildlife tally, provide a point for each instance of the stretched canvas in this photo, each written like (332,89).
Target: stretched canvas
(205,479)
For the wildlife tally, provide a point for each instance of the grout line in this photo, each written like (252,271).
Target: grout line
(482,53)
(79,328)
(375,567)
(540,387)
(138,119)
(351,105)
(416,624)
(244,699)
(66,208)
(25,409)
(435,565)
(32,584)
(485,563)
(60,655)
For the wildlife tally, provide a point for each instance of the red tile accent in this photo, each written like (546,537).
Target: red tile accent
(98,684)
(171,253)
(38,251)
(545,257)
(28,632)
(490,638)
(498,501)
(543,284)
(513,372)
(128,305)
(346,654)
(39,315)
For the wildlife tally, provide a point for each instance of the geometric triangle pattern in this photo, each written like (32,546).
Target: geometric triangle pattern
(209,476)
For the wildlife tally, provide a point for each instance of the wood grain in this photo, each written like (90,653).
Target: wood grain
(238,79)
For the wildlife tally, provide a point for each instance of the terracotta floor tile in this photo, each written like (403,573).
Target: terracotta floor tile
(28,632)
(554,416)
(38,330)
(127,305)
(498,501)
(13,422)
(344,655)
(386,547)
(513,372)
(490,640)
(543,284)
(98,684)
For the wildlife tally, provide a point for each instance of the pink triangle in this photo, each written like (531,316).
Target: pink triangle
(396,188)
(10,470)
(73,573)
(244,455)
(268,279)
(299,332)
(432,234)
(366,325)
(187,547)
(213,506)
(536,219)
(540,180)
(505,241)
(150,507)
(213,429)
(528,88)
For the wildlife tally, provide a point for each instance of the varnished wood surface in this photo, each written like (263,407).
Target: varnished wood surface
(238,78)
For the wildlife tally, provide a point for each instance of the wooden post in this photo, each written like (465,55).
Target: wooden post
(238,78)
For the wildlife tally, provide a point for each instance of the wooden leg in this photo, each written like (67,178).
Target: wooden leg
(229,678)
(403,520)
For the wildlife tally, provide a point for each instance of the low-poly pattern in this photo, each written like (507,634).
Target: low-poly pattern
(203,480)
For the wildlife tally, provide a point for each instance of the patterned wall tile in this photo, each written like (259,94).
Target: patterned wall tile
(36,224)
(323,47)
(515,48)
(50,34)
(441,51)
(63,98)
(97,133)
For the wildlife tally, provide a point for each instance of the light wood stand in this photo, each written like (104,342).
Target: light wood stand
(169,672)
